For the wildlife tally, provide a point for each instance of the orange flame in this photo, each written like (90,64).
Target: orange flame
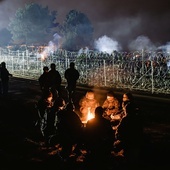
(90,115)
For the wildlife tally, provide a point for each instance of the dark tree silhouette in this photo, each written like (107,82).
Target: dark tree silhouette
(32,24)
(77,31)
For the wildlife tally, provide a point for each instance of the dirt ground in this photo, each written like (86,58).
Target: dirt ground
(22,146)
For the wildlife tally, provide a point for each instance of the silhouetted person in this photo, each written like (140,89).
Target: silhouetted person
(99,137)
(54,81)
(43,79)
(44,106)
(70,129)
(71,75)
(58,106)
(4,75)
(130,130)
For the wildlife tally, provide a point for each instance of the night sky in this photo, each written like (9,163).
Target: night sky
(121,20)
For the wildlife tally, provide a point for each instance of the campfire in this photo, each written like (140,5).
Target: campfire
(89,116)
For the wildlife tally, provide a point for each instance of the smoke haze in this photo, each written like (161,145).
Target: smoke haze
(122,20)
(106,44)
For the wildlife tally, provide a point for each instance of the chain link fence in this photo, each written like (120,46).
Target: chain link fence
(138,70)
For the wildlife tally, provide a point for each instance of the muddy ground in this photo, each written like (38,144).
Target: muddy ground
(22,145)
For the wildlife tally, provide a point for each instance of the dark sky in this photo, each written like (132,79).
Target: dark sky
(122,20)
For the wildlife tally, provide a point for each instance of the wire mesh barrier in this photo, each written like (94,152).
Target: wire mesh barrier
(138,70)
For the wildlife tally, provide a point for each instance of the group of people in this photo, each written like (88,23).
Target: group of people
(100,128)
(50,80)
(56,115)
(4,79)
(124,118)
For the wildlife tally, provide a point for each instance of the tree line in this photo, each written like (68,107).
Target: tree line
(37,25)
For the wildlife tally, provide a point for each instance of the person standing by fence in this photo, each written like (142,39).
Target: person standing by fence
(71,75)
(54,81)
(43,81)
(4,75)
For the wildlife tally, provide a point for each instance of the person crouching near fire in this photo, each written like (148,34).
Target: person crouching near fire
(129,133)
(88,105)
(99,138)
(112,111)
(44,106)
(111,105)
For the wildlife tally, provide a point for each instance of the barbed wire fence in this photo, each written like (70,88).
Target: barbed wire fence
(138,70)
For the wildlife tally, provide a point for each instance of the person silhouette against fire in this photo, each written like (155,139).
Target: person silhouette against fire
(69,127)
(130,131)
(99,138)
(44,106)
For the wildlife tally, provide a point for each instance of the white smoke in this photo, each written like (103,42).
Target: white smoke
(168,64)
(141,43)
(52,46)
(84,50)
(166,47)
(57,40)
(106,44)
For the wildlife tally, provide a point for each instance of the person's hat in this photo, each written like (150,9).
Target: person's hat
(45,68)
(90,95)
(99,111)
(111,94)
